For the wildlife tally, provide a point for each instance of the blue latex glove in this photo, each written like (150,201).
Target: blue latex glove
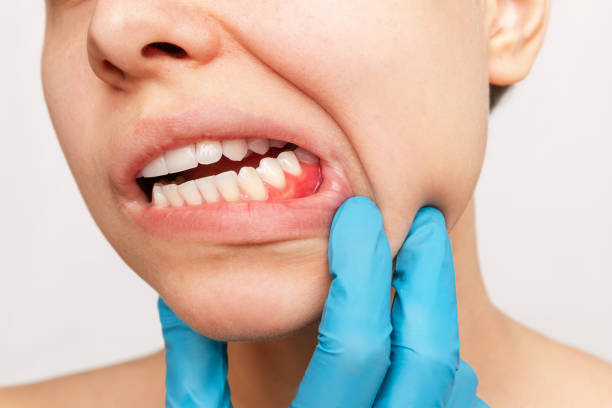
(365,355)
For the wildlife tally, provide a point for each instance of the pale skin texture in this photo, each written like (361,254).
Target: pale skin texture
(400,87)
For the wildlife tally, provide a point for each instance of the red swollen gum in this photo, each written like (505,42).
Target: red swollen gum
(303,185)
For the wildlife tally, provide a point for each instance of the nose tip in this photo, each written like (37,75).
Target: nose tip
(126,44)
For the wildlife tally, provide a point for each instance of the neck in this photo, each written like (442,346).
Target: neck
(268,373)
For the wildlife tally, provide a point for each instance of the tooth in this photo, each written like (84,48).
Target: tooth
(259,145)
(207,189)
(173,196)
(305,156)
(277,143)
(271,172)
(251,184)
(159,198)
(156,167)
(190,193)
(289,163)
(209,151)
(227,184)
(235,149)
(180,159)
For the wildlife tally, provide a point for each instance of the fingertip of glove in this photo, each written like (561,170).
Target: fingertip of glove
(466,369)
(356,210)
(427,236)
(357,233)
(429,216)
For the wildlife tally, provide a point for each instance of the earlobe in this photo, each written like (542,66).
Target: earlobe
(516,31)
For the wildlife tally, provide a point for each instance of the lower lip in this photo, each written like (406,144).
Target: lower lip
(250,222)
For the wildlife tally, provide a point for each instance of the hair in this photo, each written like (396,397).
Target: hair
(495,94)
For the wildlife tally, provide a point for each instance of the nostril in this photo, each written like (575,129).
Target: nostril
(157,48)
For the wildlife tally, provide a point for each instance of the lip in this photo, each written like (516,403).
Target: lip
(225,223)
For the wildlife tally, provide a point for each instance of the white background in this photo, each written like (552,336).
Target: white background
(67,302)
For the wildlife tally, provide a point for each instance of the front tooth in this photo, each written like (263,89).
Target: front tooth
(235,149)
(180,159)
(289,163)
(227,184)
(277,143)
(251,184)
(259,145)
(189,191)
(159,198)
(157,167)
(173,196)
(209,151)
(207,189)
(305,156)
(271,172)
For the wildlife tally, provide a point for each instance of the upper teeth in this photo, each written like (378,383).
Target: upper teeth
(209,151)
(206,152)
(259,145)
(183,158)
(235,149)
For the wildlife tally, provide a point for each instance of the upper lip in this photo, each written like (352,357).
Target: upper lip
(148,137)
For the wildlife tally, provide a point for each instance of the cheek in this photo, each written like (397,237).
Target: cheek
(418,119)
(72,94)
(68,94)
(401,82)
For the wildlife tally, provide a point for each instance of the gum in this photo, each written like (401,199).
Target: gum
(300,186)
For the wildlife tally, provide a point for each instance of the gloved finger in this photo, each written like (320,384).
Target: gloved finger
(352,354)
(425,338)
(196,366)
(464,387)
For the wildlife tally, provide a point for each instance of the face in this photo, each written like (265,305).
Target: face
(391,97)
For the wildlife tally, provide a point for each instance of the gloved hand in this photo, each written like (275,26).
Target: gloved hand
(365,355)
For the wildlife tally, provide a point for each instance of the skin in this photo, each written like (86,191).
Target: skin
(399,87)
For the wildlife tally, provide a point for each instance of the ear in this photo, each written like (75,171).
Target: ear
(516,32)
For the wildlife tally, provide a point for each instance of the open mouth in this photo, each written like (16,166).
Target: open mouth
(223,175)
(230,170)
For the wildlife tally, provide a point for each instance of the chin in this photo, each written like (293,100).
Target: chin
(246,293)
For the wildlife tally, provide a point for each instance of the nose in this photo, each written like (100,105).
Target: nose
(131,40)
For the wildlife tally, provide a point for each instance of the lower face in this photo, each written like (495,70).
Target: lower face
(216,180)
